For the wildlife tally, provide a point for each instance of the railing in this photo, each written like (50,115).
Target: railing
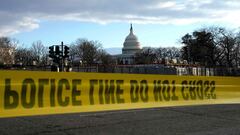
(140,69)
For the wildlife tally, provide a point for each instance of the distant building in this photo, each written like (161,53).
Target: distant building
(7,55)
(131,46)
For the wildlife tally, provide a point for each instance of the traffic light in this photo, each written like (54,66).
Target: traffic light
(66,52)
(56,60)
(57,51)
(51,52)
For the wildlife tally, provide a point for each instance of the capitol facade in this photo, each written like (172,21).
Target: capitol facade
(131,46)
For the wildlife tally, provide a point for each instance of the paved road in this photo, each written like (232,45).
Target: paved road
(195,120)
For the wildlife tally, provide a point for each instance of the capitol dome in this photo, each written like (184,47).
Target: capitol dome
(131,44)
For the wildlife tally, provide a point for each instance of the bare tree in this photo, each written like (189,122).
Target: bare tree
(40,53)
(7,49)
(227,44)
(237,51)
(145,56)
(105,58)
(73,53)
(160,52)
(24,56)
(173,52)
(169,52)
(87,51)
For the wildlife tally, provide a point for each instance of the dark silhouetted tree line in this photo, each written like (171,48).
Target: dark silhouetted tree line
(212,47)
(35,55)
(11,53)
(150,55)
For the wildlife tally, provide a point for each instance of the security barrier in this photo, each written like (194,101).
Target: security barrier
(25,93)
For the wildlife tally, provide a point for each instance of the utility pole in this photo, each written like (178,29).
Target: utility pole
(62,58)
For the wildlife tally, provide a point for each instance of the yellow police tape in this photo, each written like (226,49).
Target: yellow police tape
(24,93)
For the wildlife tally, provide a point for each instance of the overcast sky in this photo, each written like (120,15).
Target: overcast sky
(156,22)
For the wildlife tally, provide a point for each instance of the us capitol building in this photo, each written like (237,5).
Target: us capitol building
(131,46)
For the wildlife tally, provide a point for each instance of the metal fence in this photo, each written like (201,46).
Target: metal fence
(203,71)
(140,69)
(160,69)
